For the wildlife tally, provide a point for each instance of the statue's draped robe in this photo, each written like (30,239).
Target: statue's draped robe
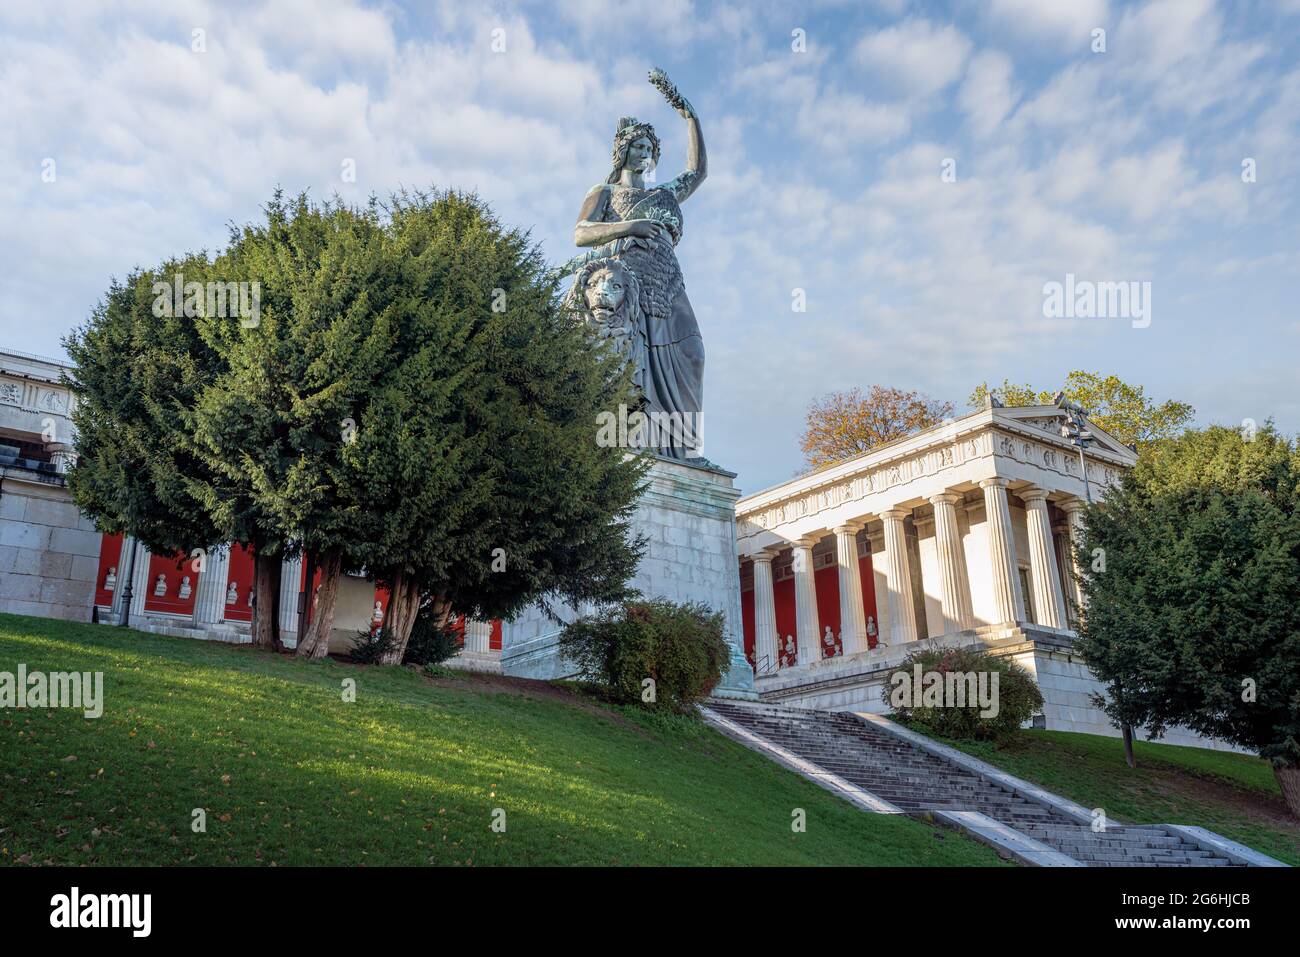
(674,374)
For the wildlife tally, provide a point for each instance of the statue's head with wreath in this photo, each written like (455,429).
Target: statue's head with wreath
(635,146)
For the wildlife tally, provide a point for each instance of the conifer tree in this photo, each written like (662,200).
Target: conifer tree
(476,460)
(1193,611)
(409,399)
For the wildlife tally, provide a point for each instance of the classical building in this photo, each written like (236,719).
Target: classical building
(960,535)
(209,595)
(55,564)
(48,550)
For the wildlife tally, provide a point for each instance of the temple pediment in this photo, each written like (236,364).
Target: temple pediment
(1049,419)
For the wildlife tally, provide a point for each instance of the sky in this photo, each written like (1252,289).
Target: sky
(892,185)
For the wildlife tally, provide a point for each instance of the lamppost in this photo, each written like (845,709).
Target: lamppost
(124,615)
(1075,428)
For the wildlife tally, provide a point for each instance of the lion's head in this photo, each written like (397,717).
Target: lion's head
(608,294)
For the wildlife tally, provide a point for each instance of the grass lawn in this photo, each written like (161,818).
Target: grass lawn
(1233,794)
(410,773)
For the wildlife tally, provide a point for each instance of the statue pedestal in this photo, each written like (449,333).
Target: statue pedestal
(688,517)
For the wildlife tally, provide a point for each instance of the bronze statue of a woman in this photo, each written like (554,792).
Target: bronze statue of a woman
(621,219)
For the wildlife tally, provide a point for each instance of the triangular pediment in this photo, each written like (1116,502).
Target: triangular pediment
(1048,420)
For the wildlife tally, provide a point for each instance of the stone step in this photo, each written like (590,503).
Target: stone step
(917,781)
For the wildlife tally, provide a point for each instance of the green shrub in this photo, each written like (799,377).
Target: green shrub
(952,707)
(679,648)
(368,648)
(430,645)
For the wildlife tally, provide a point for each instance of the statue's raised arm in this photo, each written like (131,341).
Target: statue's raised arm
(697,160)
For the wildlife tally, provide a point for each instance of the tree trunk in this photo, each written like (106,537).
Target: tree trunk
(1129,758)
(316,643)
(403,607)
(266,600)
(1288,779)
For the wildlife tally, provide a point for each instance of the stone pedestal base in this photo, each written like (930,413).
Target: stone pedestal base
(688,516)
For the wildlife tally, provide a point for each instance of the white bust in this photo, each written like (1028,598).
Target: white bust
(185,588)
(379,611)
(232,594)
(160,586)
(110,580)
(871,625)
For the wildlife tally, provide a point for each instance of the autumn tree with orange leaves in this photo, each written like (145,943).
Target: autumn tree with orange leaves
(840,425)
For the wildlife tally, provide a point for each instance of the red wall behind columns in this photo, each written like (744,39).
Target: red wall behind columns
(241,573)
(110,553)
(173,568)
(868,577)
(747,623)
(783,595)
(827,581)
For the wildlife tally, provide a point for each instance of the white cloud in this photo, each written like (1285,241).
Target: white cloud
(1069,21)
(916,57)
(986,94)
(1176,52)
(1121,165)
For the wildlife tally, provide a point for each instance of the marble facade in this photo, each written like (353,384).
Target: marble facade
(970,530)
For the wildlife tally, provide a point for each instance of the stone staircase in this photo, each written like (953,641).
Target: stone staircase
(920,783)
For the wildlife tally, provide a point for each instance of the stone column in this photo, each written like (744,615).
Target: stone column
(765,651)
(1042,560)
(478,636)
(1008,604)
(898,577)
(210,597)
(807,626)
(143,585)
(954,582)
(879,583)
(290,582)
(1061,545)
(119,589)
(853,619)
(1073,509)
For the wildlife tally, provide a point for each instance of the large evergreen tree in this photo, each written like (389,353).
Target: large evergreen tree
(410,399)
(479,477)
(1191,570)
